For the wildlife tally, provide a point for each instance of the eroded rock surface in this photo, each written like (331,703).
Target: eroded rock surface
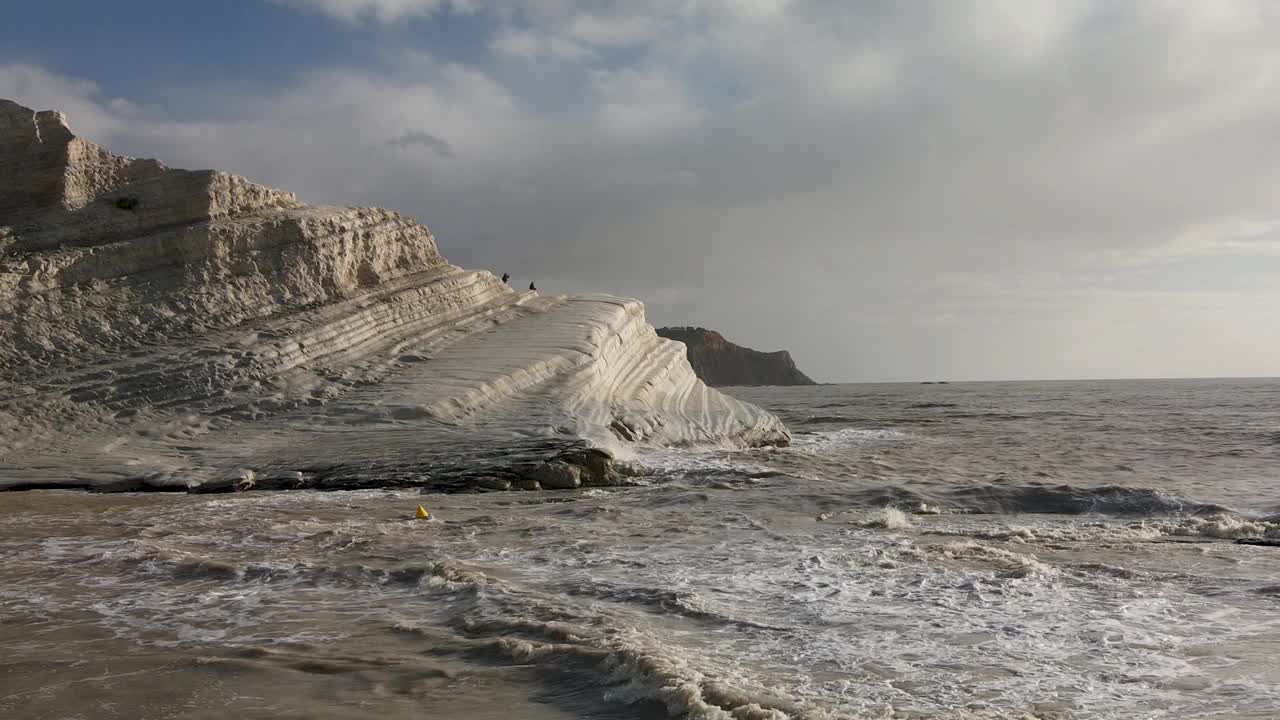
(172,329)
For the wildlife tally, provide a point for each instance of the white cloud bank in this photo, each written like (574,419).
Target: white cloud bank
(891,190)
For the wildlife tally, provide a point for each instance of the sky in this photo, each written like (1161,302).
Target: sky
(889,189)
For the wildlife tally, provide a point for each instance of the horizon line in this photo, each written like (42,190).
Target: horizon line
(1049,380)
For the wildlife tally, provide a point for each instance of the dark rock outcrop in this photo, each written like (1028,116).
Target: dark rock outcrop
(719,362)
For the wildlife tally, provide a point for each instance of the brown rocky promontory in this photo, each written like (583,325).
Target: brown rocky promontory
(719,362)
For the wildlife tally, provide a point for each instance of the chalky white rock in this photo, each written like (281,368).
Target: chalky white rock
(173,329)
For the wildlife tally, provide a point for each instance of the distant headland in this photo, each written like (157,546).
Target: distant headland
(719,362)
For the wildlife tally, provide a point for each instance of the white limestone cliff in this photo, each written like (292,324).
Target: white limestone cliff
(171,329)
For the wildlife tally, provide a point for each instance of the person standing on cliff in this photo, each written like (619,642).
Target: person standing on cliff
(505,277)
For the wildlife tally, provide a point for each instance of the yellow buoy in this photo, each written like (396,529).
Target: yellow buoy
(422,513)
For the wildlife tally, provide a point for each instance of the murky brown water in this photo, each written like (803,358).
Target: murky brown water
(766,584)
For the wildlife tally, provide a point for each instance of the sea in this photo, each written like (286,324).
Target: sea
(959,550)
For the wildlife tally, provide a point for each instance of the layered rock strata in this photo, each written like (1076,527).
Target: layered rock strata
(719,362)
(170,329)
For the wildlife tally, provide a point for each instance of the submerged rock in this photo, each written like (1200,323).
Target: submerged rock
(557,475)
(162,329)
(1263,542)
(493,483)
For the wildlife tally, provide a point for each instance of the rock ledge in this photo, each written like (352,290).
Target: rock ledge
(166,329)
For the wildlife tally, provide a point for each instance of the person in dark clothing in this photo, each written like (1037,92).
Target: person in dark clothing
(531,287)
(506,277)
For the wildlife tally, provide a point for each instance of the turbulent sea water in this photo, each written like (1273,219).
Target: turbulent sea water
(968,550)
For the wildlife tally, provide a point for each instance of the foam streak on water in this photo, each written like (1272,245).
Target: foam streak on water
(942,552)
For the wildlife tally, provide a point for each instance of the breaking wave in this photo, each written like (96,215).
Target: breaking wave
(1074,500)
(815,442)
(634,667)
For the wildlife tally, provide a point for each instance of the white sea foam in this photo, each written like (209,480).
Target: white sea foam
(825,441)
(684,463)
(713,612)
(887,518)
(726,604)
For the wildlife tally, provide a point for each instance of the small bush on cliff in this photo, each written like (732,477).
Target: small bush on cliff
(127,203)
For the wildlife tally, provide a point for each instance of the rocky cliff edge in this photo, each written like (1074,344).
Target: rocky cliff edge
(167,329)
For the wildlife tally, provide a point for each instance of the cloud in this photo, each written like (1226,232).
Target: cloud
(439,146)
(640,104)
(326,136)
(683,178)
(43,90)
(833,178)
(1247,237)
(379,10)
